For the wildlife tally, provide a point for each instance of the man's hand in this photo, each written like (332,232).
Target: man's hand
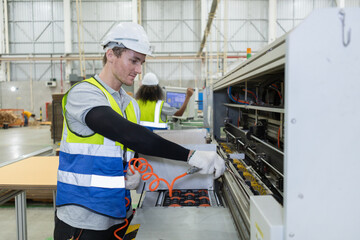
(208,161)
(132,180)
(189,92)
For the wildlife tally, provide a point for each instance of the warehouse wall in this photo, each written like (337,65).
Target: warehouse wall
(174,27)
(28,96)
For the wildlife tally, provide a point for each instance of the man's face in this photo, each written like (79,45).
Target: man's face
(127,66)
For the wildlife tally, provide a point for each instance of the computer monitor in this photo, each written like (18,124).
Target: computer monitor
(175,99)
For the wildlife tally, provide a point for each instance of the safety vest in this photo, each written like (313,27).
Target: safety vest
(91,168)
(151,114)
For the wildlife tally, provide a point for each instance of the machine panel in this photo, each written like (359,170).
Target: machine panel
(292,111)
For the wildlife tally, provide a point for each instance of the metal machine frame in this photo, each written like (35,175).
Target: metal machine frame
(316,67)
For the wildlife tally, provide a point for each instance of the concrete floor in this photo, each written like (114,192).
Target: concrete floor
(40,223)
(16,143)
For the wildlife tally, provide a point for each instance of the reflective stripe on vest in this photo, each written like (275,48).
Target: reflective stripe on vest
(91,170)
(87,180)
(92,149)
(151,115)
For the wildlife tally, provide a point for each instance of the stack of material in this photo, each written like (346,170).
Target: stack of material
(57,117)
(10,117)
(49,112)
(34,123)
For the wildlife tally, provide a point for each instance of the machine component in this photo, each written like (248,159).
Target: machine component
(266,218)
(187,198)
(193,170)
(264,159)
(273,192)
(179,223)
(259,130)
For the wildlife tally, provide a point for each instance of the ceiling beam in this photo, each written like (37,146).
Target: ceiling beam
(91,57)
(208,26)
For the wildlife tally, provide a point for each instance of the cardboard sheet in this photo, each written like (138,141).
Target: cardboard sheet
(30,173)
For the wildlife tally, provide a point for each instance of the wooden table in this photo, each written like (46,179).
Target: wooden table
(35,173)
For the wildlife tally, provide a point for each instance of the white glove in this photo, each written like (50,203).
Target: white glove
(208,162)
(132,180)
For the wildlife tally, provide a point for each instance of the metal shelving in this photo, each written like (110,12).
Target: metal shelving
(269,60)
(260,108)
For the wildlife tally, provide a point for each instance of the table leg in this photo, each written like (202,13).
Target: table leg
(54,199)
(20,208)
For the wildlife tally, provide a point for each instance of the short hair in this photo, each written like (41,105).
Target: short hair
(149,93)
(117,51)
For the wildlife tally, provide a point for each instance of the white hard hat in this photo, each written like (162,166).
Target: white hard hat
(150,79)
(130,35)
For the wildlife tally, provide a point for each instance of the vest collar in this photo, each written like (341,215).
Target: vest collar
(126,99)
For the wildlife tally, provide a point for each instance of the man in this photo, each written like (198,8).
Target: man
(154,111)
(101,133)
(27,116)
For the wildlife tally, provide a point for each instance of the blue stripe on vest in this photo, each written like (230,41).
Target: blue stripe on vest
(85,164)
(110,202)
(110,206)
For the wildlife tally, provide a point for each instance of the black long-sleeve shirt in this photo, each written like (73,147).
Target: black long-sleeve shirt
(105,121)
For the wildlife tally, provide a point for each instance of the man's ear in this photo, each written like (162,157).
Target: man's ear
(110,55)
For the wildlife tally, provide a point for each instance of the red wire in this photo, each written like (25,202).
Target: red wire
(278,138)
(252,93)
(277,90)
(78,237)
(237,100)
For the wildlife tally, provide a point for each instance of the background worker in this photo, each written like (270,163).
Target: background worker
(154,110)
(27,116)
(101,134)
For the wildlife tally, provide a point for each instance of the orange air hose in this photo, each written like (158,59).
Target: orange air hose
(144,163)
(120,228)
(143,167)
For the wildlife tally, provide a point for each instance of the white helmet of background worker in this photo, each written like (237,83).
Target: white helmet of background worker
(129,35)
(150,79)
